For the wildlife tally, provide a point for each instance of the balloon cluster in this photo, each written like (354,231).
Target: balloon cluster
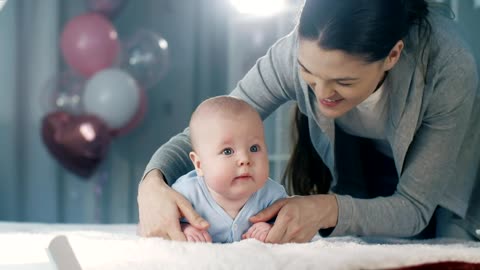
(102,93)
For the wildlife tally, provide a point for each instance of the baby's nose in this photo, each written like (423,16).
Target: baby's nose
(244,161)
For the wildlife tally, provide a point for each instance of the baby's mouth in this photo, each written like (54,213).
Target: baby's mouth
(243,176)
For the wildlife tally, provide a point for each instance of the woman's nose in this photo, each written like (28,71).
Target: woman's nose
(322,90)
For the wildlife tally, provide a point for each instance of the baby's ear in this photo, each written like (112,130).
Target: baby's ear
(196,162)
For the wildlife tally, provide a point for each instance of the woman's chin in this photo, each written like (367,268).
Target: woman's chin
(332,113)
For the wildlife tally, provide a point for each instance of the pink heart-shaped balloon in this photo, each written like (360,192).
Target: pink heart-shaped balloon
(78,143)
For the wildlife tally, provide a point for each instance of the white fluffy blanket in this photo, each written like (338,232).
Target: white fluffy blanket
(22,247)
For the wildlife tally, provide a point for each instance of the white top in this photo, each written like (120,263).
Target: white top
(368,120)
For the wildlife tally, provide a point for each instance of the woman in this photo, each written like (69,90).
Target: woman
(387,90)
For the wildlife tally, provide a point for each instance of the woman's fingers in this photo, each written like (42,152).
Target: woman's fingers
(186,210)
(301,217)
(176,235)
(277,232)
(269,212)
(156,205)
(161,207)
(145,232)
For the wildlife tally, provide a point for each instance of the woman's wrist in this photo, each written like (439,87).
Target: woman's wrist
(329,218)
(329,205)
(154,176)
(333,213)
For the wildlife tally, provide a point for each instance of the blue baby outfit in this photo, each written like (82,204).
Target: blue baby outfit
(223,228)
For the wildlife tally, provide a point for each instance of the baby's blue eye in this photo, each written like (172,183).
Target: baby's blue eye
(254,148)
(227,151)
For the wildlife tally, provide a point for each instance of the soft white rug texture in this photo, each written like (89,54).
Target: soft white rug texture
(23,247)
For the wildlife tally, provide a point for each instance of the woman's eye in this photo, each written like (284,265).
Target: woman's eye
(227,151)
(344,84)
(254,148)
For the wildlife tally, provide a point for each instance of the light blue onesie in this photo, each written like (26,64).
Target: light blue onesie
(223,228)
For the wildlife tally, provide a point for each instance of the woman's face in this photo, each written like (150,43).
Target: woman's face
(341,81)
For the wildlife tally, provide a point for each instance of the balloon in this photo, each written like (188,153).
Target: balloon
(109,8)
(112,95)
(136,119)
(89,43)
(146,57)
(78,143)
(63,92)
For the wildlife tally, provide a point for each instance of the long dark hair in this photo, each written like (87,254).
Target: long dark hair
(364,28)
(305,174)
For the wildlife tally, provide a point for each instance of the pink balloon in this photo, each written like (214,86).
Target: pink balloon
(89,43)
(136,119)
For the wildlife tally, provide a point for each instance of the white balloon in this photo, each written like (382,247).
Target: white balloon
(112,95)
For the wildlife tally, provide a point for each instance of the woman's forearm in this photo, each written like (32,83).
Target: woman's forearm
(172,158)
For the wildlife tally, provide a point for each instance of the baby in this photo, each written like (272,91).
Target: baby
(230,182)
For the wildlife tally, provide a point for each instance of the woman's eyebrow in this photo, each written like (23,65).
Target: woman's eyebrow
(300,63)
(336,79)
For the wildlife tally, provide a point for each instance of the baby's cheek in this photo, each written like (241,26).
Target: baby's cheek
(263,168)
(263,175)
(218,181)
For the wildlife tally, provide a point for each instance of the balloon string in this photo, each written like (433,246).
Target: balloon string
(98,190)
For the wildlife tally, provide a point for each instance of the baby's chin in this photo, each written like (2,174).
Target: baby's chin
(239,195)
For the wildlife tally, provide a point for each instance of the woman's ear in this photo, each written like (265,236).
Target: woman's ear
(394,55)
(196,162)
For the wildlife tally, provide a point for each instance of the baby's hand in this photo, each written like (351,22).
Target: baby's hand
(195,235)
(258,231)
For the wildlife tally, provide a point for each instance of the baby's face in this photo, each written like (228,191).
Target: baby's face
(233,155)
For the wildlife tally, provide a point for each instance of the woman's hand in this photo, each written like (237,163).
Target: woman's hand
(160,209)
(299,218)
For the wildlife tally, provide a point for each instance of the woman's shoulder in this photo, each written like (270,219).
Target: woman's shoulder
(444,48)
(446,38)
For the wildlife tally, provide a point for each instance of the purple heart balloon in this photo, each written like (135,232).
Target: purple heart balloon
(78,143)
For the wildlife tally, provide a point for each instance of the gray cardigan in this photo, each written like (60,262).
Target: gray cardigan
(431,128)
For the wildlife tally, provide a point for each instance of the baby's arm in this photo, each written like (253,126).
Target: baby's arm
(258,231)
(195,235)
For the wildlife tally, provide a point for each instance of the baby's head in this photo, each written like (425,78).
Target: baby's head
(229,148)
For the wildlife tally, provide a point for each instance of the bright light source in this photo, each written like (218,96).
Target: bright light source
(2,3)
(163,44)
(260,7)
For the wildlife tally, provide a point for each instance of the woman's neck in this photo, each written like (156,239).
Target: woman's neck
(381,81)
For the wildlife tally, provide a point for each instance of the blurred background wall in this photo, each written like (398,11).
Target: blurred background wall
(210,46)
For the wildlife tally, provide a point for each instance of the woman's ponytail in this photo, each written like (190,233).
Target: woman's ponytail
(417,11)
(305,174)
